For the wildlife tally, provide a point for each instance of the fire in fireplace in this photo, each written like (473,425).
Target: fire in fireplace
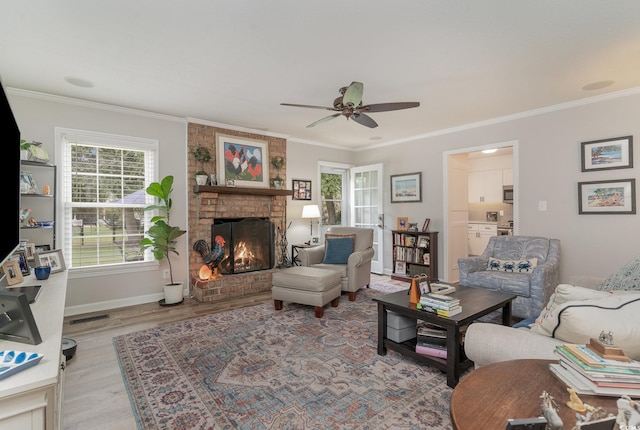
(250,244)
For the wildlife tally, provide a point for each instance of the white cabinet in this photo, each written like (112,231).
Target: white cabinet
(32,398)
(507,176)
(479,235)
(485,186)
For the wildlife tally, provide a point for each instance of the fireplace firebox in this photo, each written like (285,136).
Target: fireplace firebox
(249,244)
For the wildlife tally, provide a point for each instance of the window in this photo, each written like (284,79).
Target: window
(103,182)
(334,183)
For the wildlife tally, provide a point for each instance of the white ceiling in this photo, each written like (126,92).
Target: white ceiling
(235,61)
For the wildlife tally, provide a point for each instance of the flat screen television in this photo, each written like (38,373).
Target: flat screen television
(10,174)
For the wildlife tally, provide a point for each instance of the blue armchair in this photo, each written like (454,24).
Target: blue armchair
(526,266)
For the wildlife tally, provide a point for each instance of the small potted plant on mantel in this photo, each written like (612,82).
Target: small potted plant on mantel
(277,162)
(202,155)
(162,237)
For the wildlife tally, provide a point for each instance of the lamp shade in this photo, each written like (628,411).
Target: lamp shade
(310,211)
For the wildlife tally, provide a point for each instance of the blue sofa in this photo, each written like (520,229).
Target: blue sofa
(527,266)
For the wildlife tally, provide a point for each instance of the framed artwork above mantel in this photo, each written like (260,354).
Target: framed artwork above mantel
(243,161)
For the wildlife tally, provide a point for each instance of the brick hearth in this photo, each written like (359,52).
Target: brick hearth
(208,203)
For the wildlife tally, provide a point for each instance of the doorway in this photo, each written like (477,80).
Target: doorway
(456,202)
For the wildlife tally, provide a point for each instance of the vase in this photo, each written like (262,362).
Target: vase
(173,293)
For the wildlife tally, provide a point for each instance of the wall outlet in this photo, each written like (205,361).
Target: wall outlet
(315,240)
(165,274)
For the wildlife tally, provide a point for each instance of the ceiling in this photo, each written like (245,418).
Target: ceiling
(234,62)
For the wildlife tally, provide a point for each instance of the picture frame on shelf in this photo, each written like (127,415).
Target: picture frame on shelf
(52,258)
(40,248)
(401,268)
(423,242)
(301,189)
(11,270)
(20,256)
(406,187)
(28,184)
(30,249)
(613,197)
(245,161)
(425,226)
(607,154)
(402,223)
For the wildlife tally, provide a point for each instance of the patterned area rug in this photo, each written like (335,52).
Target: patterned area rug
(257,368)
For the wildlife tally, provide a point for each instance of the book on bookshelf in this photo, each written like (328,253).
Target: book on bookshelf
(431,351)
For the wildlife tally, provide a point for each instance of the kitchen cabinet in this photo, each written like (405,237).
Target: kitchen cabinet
(507,177)
(478,236)
(485,186)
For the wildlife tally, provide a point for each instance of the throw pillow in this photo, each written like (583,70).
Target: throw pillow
(627,278)
(520,266)
(338,250)
(577,321)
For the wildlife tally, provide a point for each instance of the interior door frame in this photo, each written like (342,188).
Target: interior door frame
(377,263)
(445,180)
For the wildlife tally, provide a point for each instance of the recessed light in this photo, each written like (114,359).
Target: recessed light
(489,151)
(597,85)
(78,82)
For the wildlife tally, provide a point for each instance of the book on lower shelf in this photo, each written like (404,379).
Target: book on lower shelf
(431,351)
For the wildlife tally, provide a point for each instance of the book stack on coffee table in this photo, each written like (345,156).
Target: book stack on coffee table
(431,340)
(440,304)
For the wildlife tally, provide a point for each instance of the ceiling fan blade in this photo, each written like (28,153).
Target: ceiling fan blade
(353,94)
(363,119)
(325,119)
(385,107)
(307,106)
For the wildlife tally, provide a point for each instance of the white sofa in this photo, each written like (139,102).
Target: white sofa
(577,311)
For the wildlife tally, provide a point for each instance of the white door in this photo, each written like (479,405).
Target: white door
(366,207)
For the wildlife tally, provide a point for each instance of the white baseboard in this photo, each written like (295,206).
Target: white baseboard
(111,304)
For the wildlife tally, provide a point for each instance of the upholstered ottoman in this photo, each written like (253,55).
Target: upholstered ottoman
(306,286)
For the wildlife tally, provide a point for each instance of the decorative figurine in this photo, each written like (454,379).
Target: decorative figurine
(574,401)
(550,412)
(628,413)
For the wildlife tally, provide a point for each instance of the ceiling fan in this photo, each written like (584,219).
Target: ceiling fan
(350,105)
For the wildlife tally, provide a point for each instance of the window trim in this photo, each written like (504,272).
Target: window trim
(62,135)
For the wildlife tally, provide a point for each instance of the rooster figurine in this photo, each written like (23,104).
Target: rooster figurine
(212,257)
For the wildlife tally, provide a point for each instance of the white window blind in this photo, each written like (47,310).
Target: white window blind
(103,182)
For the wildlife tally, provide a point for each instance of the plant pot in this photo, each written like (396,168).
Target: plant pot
(173,293)
(278,185)
(202,179)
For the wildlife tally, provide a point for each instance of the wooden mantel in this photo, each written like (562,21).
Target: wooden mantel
(241,190)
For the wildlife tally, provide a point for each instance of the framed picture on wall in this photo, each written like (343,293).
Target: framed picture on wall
(607,197)
(605,154)
(301,189)
(243,161)
(406,188)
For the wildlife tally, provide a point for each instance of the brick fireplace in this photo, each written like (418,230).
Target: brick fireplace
(209,203)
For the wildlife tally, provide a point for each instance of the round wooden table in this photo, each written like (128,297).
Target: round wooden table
(487,397)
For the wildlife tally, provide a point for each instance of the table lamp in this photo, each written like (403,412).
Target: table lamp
(311,212)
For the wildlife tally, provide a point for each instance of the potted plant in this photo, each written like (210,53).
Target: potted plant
(201,154)
(277,162)
(162,237)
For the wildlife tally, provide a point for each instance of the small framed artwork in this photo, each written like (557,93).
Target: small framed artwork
(53,259)
(28,184)
(11,270)
(301,189)
(21,257)
(401,268)
(30,249)
(605,154)
(245,161)
(423,242)
(406,188)
(402,223)
(40,248)
(425,226)
(607,197)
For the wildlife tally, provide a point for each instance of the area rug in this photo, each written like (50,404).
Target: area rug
(257,368)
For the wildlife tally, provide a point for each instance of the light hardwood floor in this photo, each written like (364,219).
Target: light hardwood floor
(94,393)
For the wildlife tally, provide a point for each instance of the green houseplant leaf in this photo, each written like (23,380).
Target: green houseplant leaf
(162,237)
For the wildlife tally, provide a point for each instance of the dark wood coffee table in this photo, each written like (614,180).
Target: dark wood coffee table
(487,397)
(475,302)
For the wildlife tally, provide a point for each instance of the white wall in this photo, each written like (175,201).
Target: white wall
(38,116)
(549,169)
